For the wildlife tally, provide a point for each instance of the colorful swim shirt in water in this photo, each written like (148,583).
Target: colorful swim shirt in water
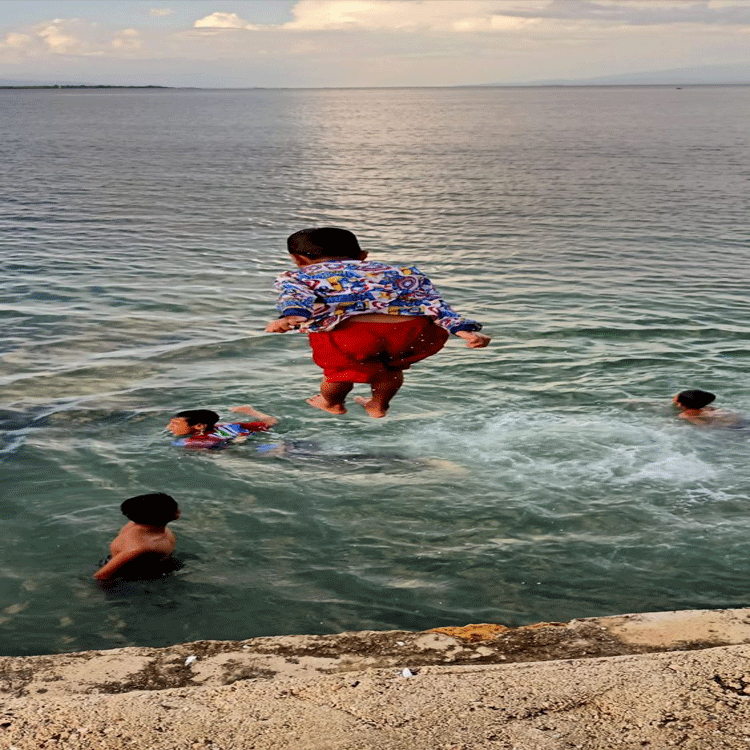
(221,435)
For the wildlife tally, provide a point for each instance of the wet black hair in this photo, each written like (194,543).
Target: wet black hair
(695,399)
(199,416)
(325,242)
(154,509)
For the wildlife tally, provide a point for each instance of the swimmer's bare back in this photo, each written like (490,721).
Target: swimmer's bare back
(716,418)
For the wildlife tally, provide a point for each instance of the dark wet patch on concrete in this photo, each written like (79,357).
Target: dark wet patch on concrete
(157,675)
(235,671)
(363,645)
(13,681)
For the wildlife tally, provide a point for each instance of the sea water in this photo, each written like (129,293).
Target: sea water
(599,234)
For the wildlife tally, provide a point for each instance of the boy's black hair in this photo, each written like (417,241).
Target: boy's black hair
(199,416)
(695,399)
(325,242)
(154,509)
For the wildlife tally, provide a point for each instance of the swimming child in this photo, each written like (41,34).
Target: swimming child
(144,543)
(694,407)
(199,428)
(367,321)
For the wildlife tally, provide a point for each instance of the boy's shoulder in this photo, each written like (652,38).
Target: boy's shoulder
(712,417)
(344,267)
(233,429)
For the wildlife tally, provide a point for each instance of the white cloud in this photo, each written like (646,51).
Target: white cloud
(508,15)
(128,40)
(392,15)
(69,37)
(15,41)
(224,21)
(161,12)
(59,39)
(412,15)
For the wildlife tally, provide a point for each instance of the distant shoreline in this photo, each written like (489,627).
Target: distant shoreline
(470,86)
(81,86)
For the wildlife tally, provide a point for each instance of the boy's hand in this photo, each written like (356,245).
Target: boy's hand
(474,340)
(282,325)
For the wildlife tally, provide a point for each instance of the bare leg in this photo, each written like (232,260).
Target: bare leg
(332,397)
(384,388)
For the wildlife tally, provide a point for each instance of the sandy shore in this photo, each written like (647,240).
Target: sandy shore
(659,680)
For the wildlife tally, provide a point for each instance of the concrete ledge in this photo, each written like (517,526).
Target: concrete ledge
(224,662)
(319,683)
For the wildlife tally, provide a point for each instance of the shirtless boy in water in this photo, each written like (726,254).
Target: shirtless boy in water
(145,541)
(694,407)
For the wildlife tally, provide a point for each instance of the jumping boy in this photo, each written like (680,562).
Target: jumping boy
(367,321)
(199,428)
(144,543)
(694,407)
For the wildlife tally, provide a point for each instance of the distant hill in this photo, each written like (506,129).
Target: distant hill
(5,84)
(77,86)
(703,74)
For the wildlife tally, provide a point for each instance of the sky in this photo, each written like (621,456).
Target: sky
(341,43)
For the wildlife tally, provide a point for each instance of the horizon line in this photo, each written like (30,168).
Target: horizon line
(675,84)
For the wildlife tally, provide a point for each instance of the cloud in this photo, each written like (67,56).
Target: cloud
(409,15)
(59,39)
(641,12)
(467,16)
(161,12)
(69,37)
(16,42)
(128,40)
(224,21)
(390,15)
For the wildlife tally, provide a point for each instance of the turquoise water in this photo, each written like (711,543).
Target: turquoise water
(600,234)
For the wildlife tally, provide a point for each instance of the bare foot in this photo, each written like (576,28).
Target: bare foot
(320,403)
(370,408)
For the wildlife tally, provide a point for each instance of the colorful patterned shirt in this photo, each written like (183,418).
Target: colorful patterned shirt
(328,292)
(221,435)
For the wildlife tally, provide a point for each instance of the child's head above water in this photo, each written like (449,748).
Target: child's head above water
(325,242)
(693,399)
(191,421)
(154,509)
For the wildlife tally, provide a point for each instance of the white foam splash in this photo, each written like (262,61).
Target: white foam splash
(570,450)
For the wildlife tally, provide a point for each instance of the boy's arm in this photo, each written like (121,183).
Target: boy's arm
(265,418)
(295,303)
(110,568)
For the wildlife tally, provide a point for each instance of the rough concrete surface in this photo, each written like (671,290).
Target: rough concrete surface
(655,680)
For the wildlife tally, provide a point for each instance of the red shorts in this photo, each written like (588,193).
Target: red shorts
(357,352)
